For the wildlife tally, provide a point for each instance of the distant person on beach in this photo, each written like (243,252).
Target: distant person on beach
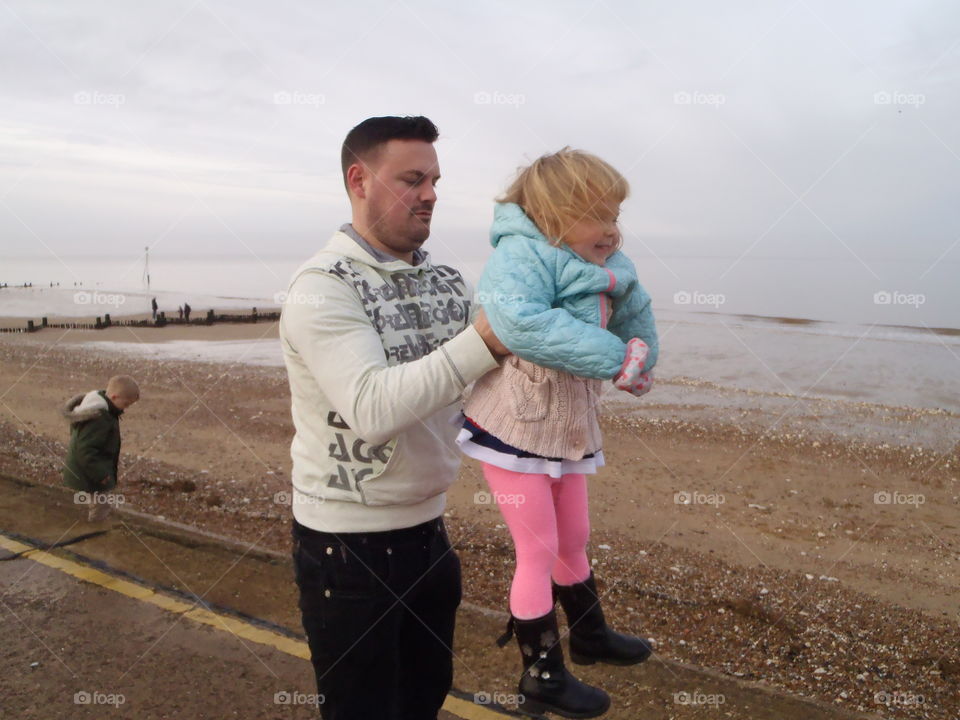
(94,452)
(568,304)
(186,312)
(379,343)
(153,306)
(180,311)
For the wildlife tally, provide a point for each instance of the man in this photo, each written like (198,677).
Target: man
(379,345)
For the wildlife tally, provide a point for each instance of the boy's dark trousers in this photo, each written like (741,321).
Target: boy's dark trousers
(379,611)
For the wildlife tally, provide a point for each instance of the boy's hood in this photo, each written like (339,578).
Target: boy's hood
(510,219)
(86,406)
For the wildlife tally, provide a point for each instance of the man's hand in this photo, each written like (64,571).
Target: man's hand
(486,332)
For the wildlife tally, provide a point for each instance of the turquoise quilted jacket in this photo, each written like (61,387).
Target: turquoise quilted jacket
(549,306)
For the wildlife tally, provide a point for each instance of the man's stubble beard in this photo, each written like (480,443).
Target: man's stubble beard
(407,238)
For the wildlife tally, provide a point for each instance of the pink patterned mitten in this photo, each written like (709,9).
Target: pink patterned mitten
(629,374)
(643,384)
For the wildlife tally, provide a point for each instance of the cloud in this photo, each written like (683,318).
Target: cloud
(220,121)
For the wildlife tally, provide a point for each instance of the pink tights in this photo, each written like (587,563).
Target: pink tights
(550,526)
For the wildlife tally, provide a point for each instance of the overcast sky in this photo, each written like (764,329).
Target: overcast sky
(787,129)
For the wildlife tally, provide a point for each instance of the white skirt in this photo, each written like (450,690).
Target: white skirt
(485,447)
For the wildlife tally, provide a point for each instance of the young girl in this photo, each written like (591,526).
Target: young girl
(567,304)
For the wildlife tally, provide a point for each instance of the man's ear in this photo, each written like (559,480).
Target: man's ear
(356,176)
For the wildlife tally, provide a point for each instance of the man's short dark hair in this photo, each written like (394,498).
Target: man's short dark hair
(362,143)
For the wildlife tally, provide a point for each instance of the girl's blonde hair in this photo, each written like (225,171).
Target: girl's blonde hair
(557,190)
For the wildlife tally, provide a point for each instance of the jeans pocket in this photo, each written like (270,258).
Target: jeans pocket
(356,572)
(307,566)
(446,569)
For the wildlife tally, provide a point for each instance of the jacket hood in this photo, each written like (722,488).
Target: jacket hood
(510,219)
(87,406)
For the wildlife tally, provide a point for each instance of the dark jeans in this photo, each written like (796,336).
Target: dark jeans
(379,611)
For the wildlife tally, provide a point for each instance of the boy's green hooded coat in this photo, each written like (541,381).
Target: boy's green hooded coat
(94,452)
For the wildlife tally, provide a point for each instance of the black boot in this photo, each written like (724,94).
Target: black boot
(546,685)
(591,640)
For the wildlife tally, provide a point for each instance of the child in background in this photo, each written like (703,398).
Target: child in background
(94,452)
(567,304)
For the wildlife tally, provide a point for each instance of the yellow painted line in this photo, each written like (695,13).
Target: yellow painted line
(137,592)
(12,545)
(241,628)
(467,710)
(165,602)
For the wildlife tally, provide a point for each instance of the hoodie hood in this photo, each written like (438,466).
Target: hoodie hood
(343,245)
(87,406)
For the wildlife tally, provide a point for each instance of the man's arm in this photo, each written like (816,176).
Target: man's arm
(324,322)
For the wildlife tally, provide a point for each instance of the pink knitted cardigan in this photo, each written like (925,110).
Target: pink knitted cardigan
(540,410)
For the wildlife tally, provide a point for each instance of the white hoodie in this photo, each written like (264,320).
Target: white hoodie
(378,354)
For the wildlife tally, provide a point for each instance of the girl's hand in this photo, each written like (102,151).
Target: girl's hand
(632,366)
(642,386)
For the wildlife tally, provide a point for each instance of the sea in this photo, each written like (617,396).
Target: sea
(880,332)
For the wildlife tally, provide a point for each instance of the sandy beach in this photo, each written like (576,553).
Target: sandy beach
(792,542)
(759,193)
